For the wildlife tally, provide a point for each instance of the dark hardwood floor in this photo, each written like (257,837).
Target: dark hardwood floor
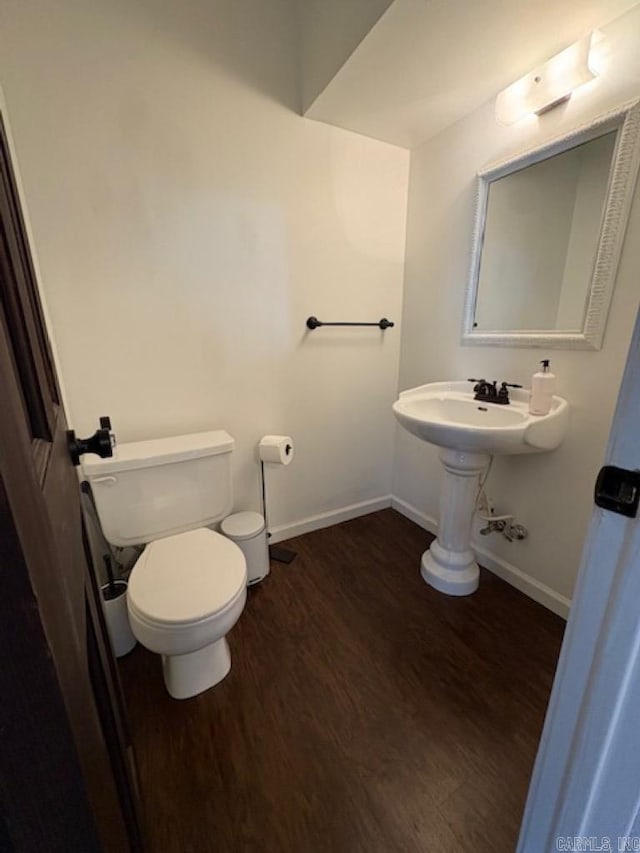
(364,711)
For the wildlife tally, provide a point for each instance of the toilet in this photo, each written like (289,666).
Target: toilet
(188,587)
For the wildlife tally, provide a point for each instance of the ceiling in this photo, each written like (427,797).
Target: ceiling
(427,63)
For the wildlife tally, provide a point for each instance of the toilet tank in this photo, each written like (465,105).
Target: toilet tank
(151,489)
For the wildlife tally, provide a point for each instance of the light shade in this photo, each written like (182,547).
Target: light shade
(547,85)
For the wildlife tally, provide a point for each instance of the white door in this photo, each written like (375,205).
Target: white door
(585,788)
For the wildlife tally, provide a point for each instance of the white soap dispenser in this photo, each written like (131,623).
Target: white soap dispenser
(543,386)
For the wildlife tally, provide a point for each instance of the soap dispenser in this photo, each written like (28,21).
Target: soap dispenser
(543,385)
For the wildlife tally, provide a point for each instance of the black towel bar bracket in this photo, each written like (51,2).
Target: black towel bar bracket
(314,323)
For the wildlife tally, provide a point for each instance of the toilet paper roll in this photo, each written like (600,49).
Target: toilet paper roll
(277,449)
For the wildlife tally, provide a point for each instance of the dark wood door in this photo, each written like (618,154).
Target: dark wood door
(67,775)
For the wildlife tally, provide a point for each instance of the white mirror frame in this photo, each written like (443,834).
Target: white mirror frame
(622,177)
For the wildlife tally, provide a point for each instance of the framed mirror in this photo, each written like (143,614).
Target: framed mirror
(548,233)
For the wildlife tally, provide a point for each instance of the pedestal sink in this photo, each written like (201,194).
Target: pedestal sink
(469,432)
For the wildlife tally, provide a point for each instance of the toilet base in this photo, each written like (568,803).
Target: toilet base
(193,673)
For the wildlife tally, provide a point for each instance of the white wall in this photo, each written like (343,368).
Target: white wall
(550,493)
(187,221)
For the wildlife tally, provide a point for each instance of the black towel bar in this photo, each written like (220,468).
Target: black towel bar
(314,323)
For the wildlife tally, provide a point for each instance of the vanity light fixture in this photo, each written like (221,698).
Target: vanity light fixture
(548,85)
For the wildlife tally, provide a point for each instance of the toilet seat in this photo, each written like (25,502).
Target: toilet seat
(187,578)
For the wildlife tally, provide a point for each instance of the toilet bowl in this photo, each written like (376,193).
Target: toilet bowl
(185,594)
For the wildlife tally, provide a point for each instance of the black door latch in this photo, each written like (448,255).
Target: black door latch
(101,442)
(618,490)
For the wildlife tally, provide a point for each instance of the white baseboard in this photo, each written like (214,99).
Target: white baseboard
(507,571)
(327,519)
(420,518)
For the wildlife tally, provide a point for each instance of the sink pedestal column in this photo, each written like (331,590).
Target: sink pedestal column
(449,565)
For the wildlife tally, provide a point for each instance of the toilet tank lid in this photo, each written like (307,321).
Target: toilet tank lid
(158,451)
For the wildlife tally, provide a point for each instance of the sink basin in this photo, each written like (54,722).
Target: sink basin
(445,413)
(469,432)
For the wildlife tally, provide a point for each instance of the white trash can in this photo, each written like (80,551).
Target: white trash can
(116,616)
(248,531)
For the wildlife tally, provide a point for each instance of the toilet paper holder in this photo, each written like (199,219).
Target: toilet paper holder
(279,452)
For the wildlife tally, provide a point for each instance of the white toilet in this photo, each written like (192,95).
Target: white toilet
(188,588)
